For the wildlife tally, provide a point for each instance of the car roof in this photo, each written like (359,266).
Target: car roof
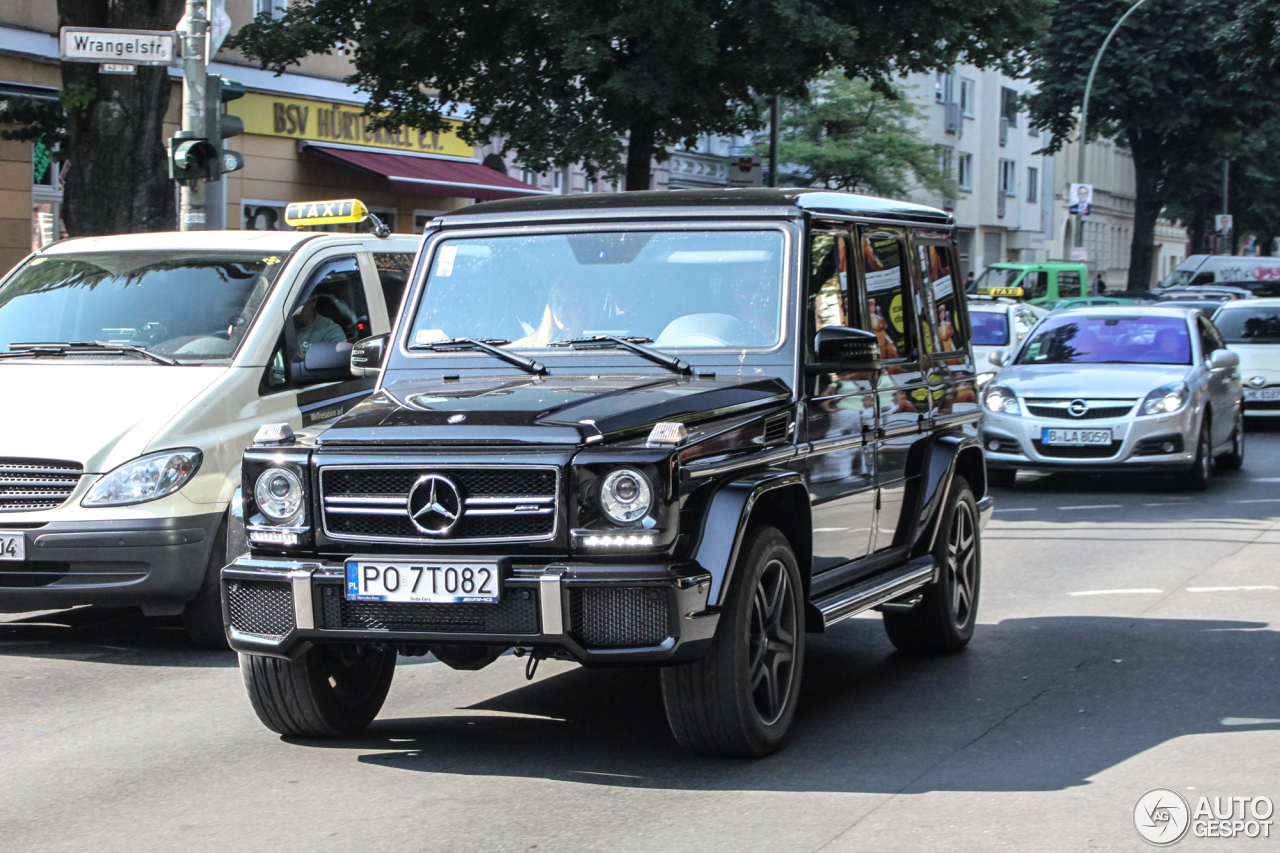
(266,241)
(785,201)
(1261,302)
(1122,311)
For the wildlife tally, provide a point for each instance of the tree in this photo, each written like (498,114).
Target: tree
(1162,86)
(562,81)
(854,135)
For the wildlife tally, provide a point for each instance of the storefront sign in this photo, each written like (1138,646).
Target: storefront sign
(324,121)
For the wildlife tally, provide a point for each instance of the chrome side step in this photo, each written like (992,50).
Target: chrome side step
(865,595)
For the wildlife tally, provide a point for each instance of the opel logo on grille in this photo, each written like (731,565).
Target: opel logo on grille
(434,504)
(1077,408)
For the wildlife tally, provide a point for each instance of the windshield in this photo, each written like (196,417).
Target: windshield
(1178,278)
(191,306)
(1249,325)
(1109,340)
(989,330)
(703,289)
(994,277)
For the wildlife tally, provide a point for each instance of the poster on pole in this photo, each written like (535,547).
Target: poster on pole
(1081,199)
(1223,222)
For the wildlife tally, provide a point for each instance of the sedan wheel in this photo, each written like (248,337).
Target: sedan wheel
(1197,479)
(1234,458)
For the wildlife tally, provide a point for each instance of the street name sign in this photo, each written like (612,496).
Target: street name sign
(137,47)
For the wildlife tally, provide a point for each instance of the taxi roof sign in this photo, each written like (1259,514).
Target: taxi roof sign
(347,210)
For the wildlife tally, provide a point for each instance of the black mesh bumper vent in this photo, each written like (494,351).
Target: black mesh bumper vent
(619,616)
(264,608)
(516,613)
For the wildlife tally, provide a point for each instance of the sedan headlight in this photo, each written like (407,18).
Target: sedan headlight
(146,478)
(998,398)
(626,496)
(279,495)
(1166,399)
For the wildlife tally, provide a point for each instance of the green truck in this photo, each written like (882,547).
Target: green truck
(1033,282)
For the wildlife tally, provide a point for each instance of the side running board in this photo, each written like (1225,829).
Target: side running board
(866,594)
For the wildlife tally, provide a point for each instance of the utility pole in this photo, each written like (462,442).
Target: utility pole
(773,141)
(1228,247)
(191,207)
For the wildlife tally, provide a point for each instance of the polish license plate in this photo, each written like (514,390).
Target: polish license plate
(423,583)
(1260,395)
(12,546)
(1075,437)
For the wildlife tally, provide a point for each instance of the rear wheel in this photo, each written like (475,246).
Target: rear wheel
(942,622)
(740,697)
(1234,458)
(330,691)
(1197,479)
(1002,477)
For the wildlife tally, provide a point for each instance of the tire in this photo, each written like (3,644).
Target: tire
(1197,479)
(942,623)
(330,691)
(1233,459)
(739,699)
(202,615)
(1002,478)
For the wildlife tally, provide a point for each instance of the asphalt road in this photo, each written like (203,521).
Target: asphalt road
(1127,641)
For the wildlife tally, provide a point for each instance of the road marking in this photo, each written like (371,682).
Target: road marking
(1171,503)
(1116,591)
(1230,588)
(1247,721)
(1258,501)
(1262,479)
(1018,509)
(821,530)
(1094,506)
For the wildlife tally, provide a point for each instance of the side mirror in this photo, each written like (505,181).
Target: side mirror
(368,355)
(996,357)
(1221,359)
(843,348)
(324,361)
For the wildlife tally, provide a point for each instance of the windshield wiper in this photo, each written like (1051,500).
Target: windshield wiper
(489,345)
(30,350)
(629,343)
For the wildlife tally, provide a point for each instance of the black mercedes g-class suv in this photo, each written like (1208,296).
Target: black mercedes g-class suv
(675,429)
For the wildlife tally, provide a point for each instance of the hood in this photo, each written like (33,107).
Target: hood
(533,410)
(93,413)
(1258,360)
(1090,380)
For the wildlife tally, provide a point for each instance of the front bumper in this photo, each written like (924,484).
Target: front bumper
(597,614)
(155,563)
(1135,443)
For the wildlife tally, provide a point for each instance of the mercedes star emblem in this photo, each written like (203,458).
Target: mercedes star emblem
(1077,408)
(434,504)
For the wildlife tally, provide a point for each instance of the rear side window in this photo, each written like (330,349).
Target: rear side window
(1069,284)
(889,310)
(393,275)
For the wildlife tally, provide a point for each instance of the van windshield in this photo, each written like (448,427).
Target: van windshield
(994,277)
(677,289)
(189,306)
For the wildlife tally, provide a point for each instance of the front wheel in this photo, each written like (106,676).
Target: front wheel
(1234,458)
(740,697)
(1197,479)
(202,615)
(329,691)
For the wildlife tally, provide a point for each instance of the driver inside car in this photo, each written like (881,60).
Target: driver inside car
(567,315)
(313,327)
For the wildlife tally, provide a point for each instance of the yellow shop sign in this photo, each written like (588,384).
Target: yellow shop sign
(324,121)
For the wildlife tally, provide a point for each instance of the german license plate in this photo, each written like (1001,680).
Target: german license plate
(423,583)
(1075,437)
(12,546)
(1259,395)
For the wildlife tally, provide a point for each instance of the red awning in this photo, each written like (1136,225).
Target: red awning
(429,176)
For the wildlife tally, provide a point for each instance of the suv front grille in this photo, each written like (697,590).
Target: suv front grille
(1057,409)
(515,613)
(31,484)
(1088,451)
(498,503)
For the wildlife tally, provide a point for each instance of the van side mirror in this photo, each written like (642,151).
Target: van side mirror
(996,357)
(324,361)
(1221,359)
(846,349)
(368,354)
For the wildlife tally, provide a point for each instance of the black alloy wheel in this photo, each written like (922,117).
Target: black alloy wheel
(1197,478)
(772,646)
(329,691)
(962,562)
(1234,458)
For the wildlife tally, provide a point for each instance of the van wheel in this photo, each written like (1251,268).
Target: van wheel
(942,622)
(1197,479)
(330,691)
(740,697)
(1234,458)
(202,615)
(1002,478)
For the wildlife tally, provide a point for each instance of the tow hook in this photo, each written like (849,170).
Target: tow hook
(534,655)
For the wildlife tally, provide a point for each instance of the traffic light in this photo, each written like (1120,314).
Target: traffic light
(220,126)
(190,158)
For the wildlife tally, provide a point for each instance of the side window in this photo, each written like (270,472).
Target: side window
(1201,279)
(937,268)
(1035,285)
(828,296)
(332,307)
(889,309)
(393,275)
(1210,339)
(276,376)
(1069,284)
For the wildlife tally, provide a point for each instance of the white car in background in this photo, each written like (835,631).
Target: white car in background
(1251,329)
(998,324)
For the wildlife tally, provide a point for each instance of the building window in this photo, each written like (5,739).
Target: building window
(1008,177)
(964,172)
(946,158)
(274,8)
(1033,184)
(944,85)
(968,93)
(1009,105)
(528,176)
(558,181)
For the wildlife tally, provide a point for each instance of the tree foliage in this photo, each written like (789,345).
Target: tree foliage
(857,136)
(562,81)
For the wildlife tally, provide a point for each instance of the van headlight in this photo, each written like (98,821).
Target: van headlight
(626,496)
(1166,399)
(146,478)
(279,495)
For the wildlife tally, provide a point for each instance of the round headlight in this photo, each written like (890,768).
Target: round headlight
(278,493)
(625,495)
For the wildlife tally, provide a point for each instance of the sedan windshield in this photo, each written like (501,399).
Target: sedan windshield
(191,306)
(678,289)
(989,329)
(1109,340)
(1249,325)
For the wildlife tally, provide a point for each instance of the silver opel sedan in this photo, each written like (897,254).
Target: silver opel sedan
(1115,389)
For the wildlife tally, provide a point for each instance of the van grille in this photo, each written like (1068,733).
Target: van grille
(31,484)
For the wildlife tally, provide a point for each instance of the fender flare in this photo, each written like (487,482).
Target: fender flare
(942,460)
(724,526)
